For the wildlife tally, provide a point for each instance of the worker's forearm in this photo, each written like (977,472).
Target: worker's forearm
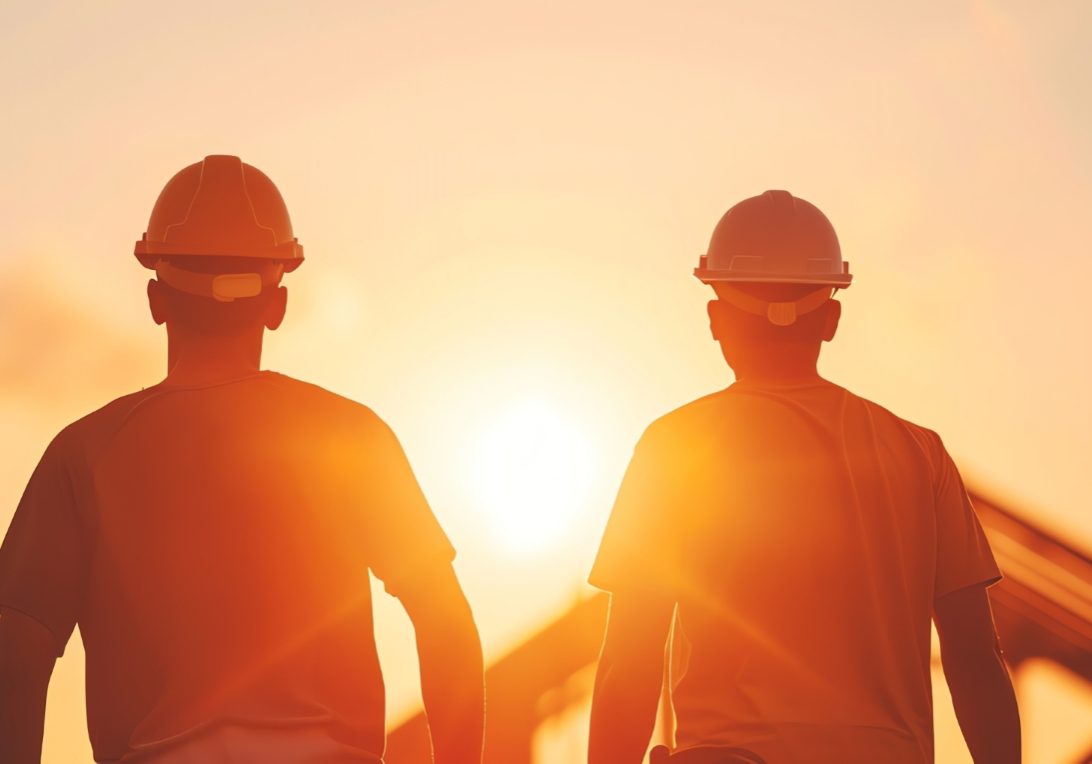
(22,717)
(453,692)
(623,711)
(985,706)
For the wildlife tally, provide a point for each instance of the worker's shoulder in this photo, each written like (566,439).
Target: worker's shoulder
(103,419)
(80,437)
(926,438)
(695,414)
(336,405)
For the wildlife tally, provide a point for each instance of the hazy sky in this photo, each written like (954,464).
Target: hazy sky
(501,204)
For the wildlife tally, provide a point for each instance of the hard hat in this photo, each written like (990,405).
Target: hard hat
(219,207)
(774,238)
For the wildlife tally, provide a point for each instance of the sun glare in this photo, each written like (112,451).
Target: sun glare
(531,471)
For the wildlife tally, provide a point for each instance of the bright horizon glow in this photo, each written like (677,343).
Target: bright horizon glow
(530,474)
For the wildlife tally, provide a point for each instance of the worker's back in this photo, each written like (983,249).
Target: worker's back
(226,537)
(805,533)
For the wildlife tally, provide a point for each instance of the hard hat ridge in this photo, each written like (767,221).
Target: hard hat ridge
(221,205)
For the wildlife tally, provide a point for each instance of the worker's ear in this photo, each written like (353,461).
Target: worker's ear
(715,308)
(157,301)
(830,323)
(278,303)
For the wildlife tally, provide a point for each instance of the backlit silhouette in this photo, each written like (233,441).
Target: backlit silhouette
(212,535)
(807,537)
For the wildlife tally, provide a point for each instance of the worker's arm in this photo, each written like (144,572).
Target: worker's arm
(450,654)
(27,654)
(982,694)
(629,678)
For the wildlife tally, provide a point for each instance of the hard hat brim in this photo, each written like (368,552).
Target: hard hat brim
(289,253)
(707,276)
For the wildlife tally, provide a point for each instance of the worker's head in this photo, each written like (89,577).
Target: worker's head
(219,240)
(774,262)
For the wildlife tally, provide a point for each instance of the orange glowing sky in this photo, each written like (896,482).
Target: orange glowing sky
(501,204)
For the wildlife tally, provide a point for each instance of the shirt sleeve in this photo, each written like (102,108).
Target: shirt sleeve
(402,532)
(638,551)
(963,553)
(44,557)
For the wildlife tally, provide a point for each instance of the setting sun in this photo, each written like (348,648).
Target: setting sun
(530,471)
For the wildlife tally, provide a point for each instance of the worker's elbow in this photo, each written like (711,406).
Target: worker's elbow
(632,652)
(627,673)
(971,659)
(970,644)
(470,645)
(451,631)
(24,666)
(617,659)
(459,624)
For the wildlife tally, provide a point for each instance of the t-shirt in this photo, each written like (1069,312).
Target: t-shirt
(805,534)
(213,544)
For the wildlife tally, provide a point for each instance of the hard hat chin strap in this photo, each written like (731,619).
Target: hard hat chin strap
(777,313)
(222,287)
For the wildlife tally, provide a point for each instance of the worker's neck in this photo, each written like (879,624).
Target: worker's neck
(777,369)
(206,359)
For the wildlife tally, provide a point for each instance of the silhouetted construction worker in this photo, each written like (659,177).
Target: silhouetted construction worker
(807,536)
(212,534)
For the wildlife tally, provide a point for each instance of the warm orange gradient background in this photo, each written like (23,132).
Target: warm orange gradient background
(502,202)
